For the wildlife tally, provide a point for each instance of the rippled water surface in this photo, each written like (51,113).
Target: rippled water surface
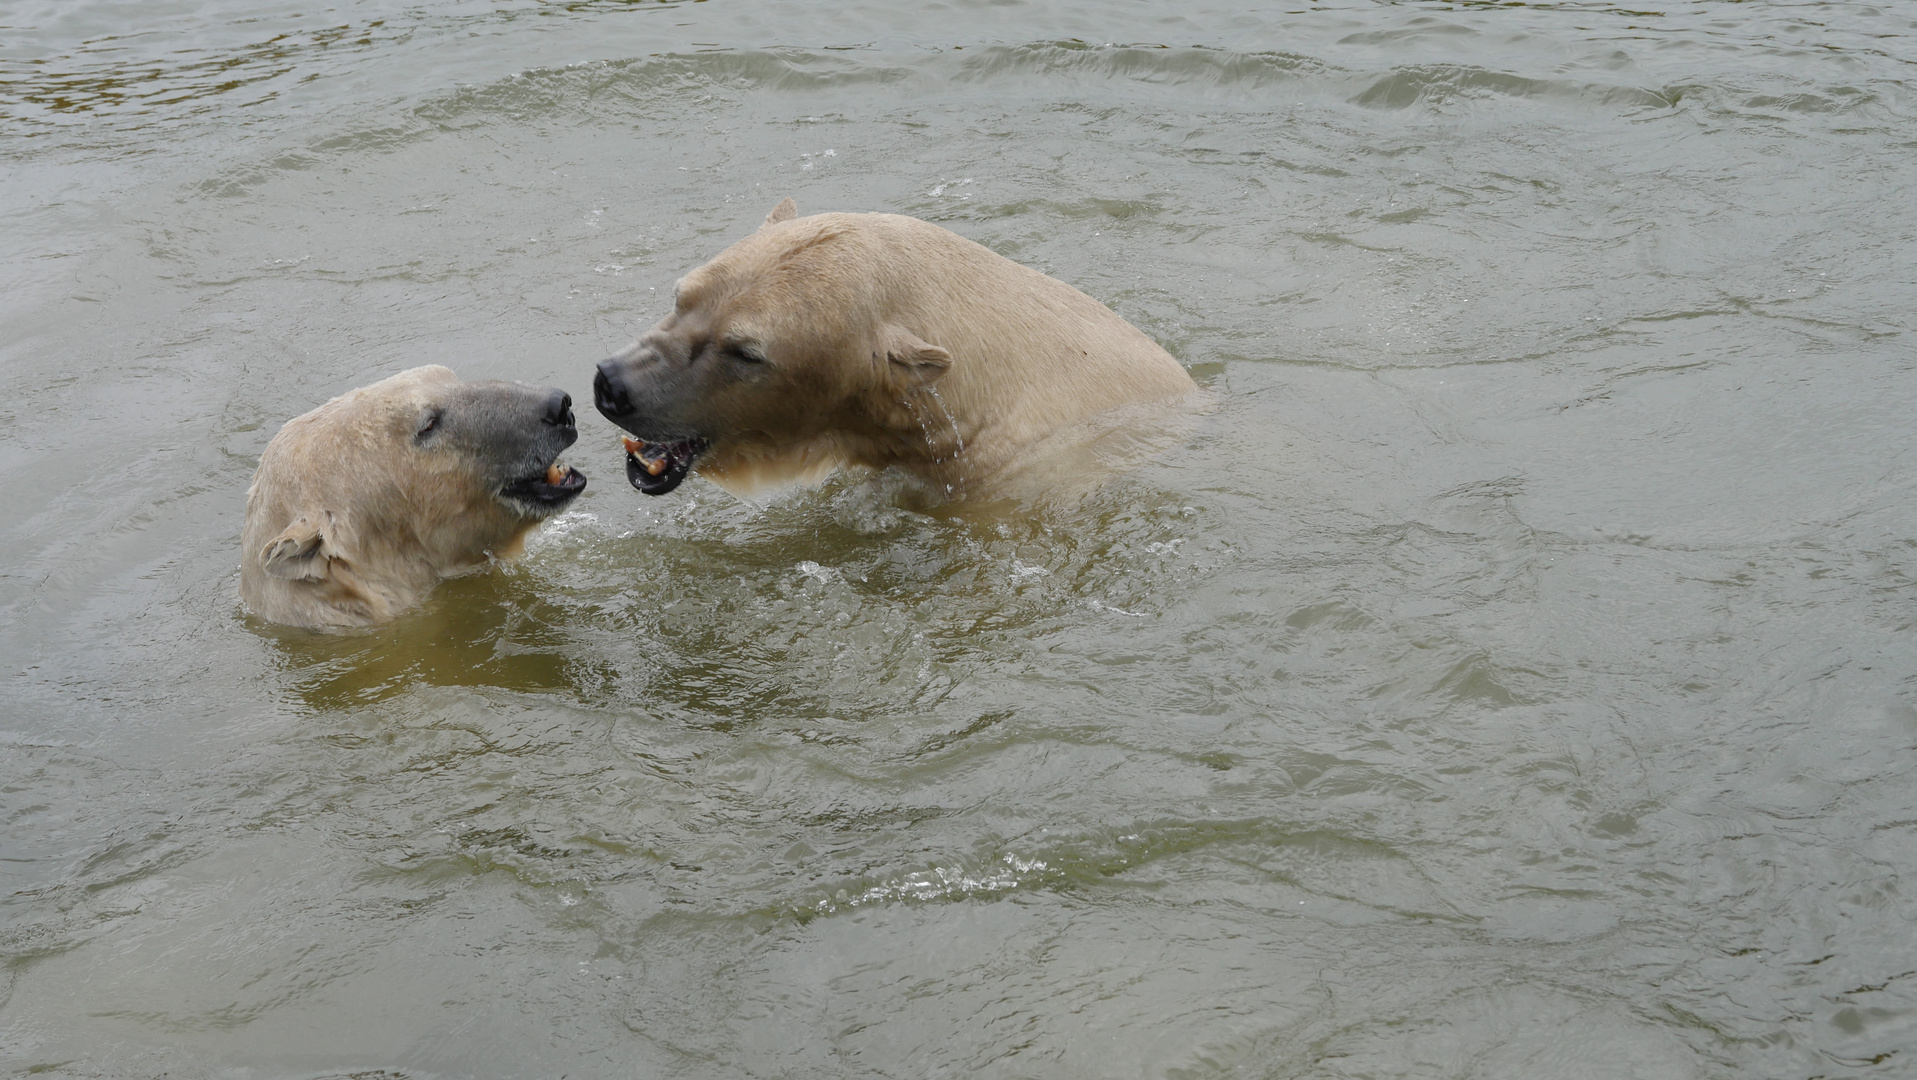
(1512,677)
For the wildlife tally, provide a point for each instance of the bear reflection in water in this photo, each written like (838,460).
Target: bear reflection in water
(498,631)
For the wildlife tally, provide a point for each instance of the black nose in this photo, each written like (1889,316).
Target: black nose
(559,409)
(609,391)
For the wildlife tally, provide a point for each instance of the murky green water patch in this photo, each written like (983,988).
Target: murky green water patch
(1508,676)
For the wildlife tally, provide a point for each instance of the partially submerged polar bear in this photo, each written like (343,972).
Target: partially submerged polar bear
(869,340)
(360,506)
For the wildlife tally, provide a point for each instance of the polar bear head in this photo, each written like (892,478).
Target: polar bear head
(361,505)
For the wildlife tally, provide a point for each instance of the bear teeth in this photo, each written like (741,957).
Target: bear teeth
(555,475)
(655,459)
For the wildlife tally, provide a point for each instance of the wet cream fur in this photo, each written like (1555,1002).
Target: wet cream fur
(347,523)
(913,348)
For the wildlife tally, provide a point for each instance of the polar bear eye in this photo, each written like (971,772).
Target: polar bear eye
(428,423)
(747,351)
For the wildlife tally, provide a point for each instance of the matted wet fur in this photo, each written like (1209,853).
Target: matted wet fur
(872,341)
(360,506)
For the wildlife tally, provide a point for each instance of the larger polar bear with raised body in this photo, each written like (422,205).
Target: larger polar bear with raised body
(875,341)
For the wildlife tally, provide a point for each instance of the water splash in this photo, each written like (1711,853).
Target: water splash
(951,422)
(953,882)
(562,529)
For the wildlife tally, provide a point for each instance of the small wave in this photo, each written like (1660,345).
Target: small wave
(1188,67)
(1437,85)
(1771,99)
(1094,858)
(615,88)
(117,80)
(1072,69)
(940,883)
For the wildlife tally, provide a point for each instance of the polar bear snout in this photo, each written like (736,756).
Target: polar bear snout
(637,385)
(610,394)
(631,391)
(510,434)
(559,411)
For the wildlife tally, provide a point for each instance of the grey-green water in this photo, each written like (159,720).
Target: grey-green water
(1513,677)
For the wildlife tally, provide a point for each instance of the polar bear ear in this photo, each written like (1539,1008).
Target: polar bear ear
(913,361)
(785,211)
(303,552)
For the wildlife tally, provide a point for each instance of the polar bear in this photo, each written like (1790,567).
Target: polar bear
(360,506)
(875,341)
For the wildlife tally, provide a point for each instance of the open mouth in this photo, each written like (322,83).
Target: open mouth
(657,468)
(547,491)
